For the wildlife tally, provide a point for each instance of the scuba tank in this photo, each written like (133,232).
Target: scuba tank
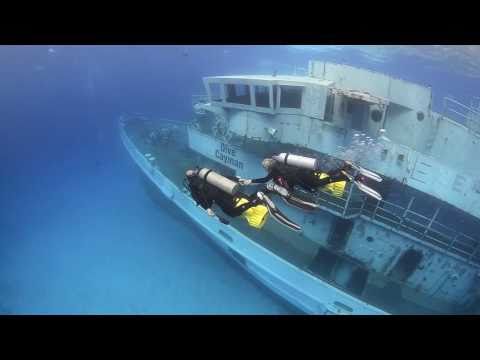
(219,181)
(297,161)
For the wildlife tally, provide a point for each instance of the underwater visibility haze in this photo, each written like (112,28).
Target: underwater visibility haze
(83,231)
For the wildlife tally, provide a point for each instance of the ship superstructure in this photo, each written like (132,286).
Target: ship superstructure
(415,251)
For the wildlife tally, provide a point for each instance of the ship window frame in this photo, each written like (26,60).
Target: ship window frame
(299,100)
(266,105)
(228,99)
(329,112)
(220,91)
(275,96)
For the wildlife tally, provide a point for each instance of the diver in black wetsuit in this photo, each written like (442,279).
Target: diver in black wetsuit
(206,194)
(282,179)
(285,171)
(289,176)
(289,170)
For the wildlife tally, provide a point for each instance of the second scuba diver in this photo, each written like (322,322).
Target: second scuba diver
(208,188)
(288,170)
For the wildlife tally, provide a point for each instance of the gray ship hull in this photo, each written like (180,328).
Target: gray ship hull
(300,288)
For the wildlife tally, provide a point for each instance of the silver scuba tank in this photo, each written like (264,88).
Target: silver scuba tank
(219,181)
(297,161)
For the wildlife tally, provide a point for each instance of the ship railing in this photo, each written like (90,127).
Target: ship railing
(339,205)
(157,129)
(199,99)
(475,103)
(466,115)
(155,119)
(403,219)
(300,71)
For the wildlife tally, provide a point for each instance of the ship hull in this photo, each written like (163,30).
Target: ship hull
(296,286)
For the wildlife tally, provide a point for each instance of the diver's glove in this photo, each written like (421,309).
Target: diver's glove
(244,181)
(210,212)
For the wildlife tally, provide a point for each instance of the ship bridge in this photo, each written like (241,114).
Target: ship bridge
(434,153)
(282,94)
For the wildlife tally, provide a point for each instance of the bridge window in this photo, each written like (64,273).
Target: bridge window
(262,96)
(238,94)
(291,97)
(215,93)
(329,107)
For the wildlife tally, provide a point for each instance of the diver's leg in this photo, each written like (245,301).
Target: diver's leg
(233,210)
(289,198)
(299,203)
(340,176)
(277,214)
(316,182)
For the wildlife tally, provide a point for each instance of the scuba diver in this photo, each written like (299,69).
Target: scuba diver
(310,174)
(208,188)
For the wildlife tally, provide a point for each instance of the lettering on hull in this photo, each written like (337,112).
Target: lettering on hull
(227,155)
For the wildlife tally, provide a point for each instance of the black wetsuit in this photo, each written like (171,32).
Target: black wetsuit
(206,195)
(289,176)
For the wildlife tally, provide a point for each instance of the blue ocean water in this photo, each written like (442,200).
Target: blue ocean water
(78,232)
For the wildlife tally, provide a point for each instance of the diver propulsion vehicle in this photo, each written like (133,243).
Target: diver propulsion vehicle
(415,251)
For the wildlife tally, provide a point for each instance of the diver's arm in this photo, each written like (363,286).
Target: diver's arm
(263,179)
(202,200)
(256,181)
(319,183)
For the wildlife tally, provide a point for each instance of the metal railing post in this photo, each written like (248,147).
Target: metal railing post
(469,115)
(362,207)
(348,200)
(472,255)
(452,242)
(431,222)
(407,209)
(375,210)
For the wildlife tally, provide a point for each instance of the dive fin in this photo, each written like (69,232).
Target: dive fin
(282,219)
(362,187)
(368,190)
(277,214)
(367,173)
